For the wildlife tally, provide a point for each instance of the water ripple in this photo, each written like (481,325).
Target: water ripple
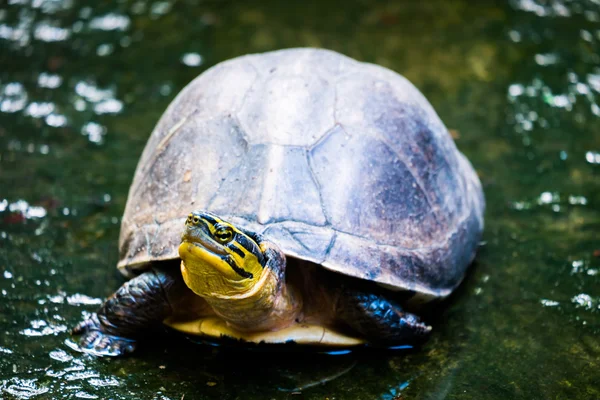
(22,388)
(43,328)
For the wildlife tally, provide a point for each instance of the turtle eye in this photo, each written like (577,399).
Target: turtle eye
(195,220)
(223,234)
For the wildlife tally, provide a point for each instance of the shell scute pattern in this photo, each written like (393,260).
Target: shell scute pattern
(270,115)
(326,64)
(303,241)
(373,204)
(172,176)
(218,92)
(341,163)
(260,188)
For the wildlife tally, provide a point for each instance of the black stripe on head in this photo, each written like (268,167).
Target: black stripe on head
(208,218)
(231,246)
(251,247)
(240,271)
(205,224)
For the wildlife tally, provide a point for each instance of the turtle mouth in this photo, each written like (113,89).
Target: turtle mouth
(199,238)
(201,255)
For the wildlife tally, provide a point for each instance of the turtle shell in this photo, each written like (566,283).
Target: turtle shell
(341,163)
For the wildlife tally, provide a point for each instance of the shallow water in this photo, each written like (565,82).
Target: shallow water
(83,83)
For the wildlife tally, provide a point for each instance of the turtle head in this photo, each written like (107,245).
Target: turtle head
(218,259)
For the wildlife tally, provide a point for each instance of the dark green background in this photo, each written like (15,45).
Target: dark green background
(517,82)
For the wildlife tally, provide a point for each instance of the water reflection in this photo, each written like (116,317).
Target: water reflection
(592,157)
(192,59)
(22,388)
(13,97)
(23,208)
(110,22)
(47,32)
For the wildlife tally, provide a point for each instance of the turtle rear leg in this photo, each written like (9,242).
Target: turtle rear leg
(136,306)
(380,319)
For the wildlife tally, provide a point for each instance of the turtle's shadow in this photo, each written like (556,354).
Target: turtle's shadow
(269,368)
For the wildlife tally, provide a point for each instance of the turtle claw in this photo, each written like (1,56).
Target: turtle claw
(103,345)
(83,326)
(98,343)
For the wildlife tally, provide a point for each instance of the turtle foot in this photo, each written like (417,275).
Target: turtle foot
(381,319)
(96,342)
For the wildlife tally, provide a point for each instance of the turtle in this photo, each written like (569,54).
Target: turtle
(294,196)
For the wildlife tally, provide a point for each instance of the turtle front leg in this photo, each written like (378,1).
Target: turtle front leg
(380,319)
(136,306)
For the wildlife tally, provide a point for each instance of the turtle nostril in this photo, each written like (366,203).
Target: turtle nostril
(196,220)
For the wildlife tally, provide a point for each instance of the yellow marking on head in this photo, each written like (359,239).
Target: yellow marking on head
(218,259)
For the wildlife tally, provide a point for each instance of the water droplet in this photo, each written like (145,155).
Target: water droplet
(592,157)
(546,198)
(104,382)
(515,36)
(191,59)
(28,211)
(56,120)
(583,300)
(94,131)
(22,388)
(546,59)
(549,303)
(43,328)
(13,97)
(104,49)
(110,22)
(60,355)
(92,93)
(110,106)
(85,395)
(39,110)
(50,81)
(576,266)
(160,8)
(82,375)
(586,35)
(166,89)
(515,89)
(81,299)
(577,200)
(47,32)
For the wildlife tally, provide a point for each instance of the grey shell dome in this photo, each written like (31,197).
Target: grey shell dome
(341,163)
